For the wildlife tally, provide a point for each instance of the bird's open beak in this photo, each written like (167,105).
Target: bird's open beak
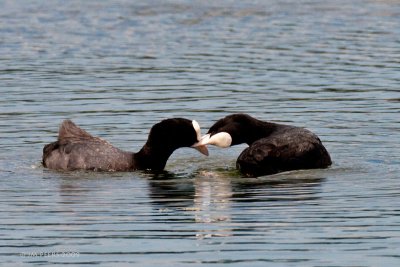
(205,139)
(222,139)
(201,148)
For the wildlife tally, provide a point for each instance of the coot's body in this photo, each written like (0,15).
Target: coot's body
(272,147)
(77,149)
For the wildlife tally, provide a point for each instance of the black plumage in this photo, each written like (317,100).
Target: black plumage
(273,147)
(77,149)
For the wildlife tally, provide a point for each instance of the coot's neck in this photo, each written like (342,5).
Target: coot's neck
(259,129)
(153,158)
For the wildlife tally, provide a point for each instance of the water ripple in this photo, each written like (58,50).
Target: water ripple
(118,67)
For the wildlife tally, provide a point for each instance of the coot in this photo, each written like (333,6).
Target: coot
(272,147)
(77,149)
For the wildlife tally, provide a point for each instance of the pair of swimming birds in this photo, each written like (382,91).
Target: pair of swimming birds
(272,147)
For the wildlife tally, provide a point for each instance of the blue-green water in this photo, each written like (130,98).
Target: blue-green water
(118,67)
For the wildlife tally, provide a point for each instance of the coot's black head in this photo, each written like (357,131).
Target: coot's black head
(171,134)
(231,130)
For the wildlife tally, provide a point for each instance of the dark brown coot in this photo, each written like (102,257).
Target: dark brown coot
(76,149)
(272,147)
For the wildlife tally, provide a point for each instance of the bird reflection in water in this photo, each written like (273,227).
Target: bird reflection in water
(213,203)
(207,196)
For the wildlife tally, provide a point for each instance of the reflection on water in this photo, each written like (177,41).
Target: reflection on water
(207,201)
(118,67)
(211,197)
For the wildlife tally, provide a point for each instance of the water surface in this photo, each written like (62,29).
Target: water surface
(118,67)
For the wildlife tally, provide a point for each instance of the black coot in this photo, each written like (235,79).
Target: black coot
(272,147)
(77,149)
